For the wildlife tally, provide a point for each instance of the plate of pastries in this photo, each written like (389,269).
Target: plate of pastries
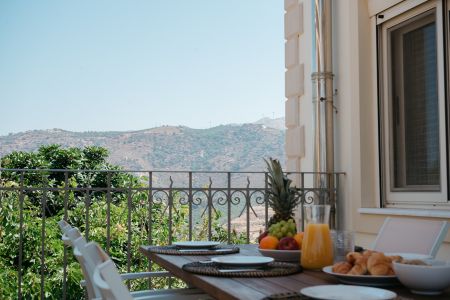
(369,268)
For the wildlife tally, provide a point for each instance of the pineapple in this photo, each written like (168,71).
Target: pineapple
(282,198)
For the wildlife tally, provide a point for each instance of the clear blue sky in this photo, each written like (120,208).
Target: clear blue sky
(129,65)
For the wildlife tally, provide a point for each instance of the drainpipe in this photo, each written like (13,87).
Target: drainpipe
(322,79)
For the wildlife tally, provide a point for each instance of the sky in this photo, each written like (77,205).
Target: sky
(137,64)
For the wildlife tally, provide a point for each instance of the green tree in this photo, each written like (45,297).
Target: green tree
(126,200)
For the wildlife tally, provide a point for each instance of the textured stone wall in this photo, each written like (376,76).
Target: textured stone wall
(294,83)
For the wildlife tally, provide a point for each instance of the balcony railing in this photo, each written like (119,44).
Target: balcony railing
(122,210)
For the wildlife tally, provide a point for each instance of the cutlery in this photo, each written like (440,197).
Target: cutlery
(202,250)
(238,270)
(205,261)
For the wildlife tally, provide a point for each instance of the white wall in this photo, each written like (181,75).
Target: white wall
(295,81)
(356,123)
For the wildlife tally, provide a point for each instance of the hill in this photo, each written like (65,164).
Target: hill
(222,148)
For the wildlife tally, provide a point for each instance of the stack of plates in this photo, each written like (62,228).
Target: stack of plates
(242,261)
(196,244)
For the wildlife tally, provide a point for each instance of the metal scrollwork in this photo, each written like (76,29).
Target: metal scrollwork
(197,200)
(162,197)
(220,200)
(236,200)
(183,197)
(260,199)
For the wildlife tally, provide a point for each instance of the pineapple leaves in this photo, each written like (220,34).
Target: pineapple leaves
(281,197)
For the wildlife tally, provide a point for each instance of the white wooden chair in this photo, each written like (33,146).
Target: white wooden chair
(407,235)
(69,237)
(88,262)
(72,237)
(64,226)
(107,280)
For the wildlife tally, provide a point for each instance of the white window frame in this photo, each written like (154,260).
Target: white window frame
(395,16)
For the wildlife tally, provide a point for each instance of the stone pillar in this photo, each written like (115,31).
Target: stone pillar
(294,85)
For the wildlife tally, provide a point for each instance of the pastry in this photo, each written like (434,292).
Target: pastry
(360,266)
(368,253)
(342,267)
(353,256)
(379,264)
(367,263)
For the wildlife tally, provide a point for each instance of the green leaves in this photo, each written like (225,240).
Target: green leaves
(282,198)
(124,207)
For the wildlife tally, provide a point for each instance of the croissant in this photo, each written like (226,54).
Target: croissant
(342,267)
(353,256)
(360,266)
(368,253)
(379,264)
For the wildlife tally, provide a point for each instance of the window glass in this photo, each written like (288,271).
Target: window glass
(415,109)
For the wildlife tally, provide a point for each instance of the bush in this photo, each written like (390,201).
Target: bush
(128,206)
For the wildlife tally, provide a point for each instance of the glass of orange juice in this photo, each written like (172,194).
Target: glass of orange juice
(317,248)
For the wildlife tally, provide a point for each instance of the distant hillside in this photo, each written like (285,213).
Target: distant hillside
(272,123)
(221,148)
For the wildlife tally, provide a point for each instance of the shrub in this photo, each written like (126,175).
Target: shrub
(127,204)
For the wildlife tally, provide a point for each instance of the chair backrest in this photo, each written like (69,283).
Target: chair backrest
(64,226)
(406,235)
(106,278)
(70,236)
(88,264)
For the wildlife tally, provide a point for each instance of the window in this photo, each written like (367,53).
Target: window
(412,104)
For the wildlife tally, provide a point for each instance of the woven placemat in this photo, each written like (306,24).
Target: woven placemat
(287,296)
(270,270)
(174,250)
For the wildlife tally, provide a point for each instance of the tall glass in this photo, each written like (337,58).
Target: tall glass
(317,248)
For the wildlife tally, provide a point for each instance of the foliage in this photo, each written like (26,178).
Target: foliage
(72,196)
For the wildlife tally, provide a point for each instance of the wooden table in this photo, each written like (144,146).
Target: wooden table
(255,288)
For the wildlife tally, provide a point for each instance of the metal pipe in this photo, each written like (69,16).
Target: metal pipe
(322,79)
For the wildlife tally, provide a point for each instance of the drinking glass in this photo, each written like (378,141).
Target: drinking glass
(344,242)
(317,248)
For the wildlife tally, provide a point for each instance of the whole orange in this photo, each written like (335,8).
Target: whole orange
(299,238)
(268,242)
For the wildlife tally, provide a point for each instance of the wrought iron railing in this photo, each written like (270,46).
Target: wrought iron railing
(122,210)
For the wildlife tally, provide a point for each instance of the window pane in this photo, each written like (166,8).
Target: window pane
(415,109)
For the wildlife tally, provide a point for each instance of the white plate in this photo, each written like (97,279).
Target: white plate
(369,280)
(196,244)
(347,292)
(282,255)
(237,260)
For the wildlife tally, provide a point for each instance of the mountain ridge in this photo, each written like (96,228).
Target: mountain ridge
(232,147)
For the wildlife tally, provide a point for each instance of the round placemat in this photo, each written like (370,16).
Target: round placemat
(287,296)
(270,270)
(174,250)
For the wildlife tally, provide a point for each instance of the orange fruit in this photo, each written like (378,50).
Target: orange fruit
(268,242)
(299,238)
